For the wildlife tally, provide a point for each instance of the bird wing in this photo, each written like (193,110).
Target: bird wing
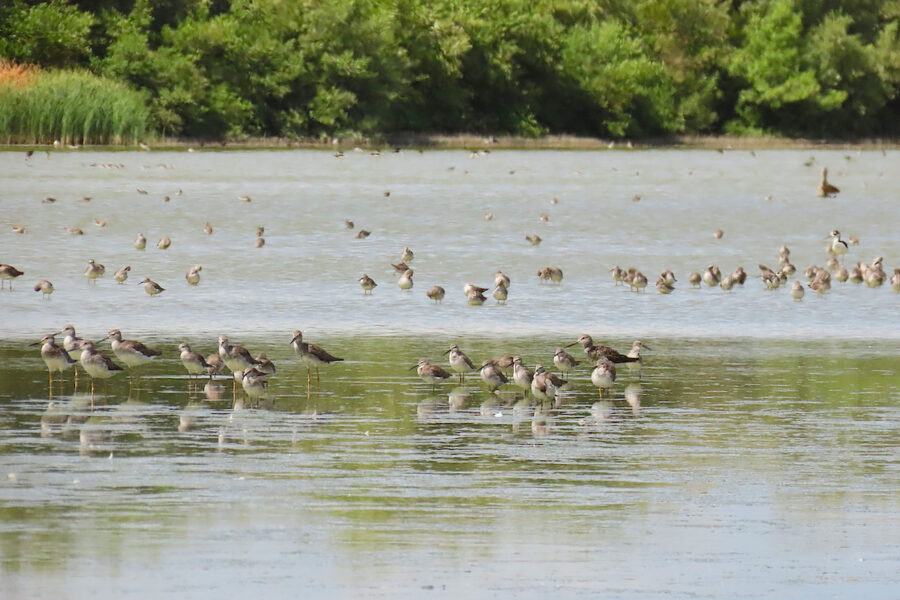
(322,354)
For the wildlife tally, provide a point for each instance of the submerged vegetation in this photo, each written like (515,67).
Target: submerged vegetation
(228,69)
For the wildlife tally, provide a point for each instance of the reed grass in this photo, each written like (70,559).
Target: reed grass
(72,107)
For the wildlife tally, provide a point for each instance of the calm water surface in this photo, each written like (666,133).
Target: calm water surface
(754,454)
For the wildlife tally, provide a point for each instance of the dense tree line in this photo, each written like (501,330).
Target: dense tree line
(606,68)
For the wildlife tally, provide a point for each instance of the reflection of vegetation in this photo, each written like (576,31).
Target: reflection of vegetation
(374,450)
(231,68)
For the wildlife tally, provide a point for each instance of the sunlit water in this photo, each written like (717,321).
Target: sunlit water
(755,453)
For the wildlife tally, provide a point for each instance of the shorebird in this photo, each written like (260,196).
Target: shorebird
(459,362)
(311,355)
(140,242)
(19,229)
(739,275)
(595,352)
(604,374)
(236,358)
(489,216)
(564,361)
(75,230)
(432,374)
(100,223)
(193,362)
(368,284)
(400,268)
(363,234)
(522,375)
(254,383)
(475,296)
(96,364)
(825,189)
(895,280)
(216,364)
(664,287)
(8,273)
(797,290)
(208,228)
(436,293)
(94,271)
(635,352)
(55,357)
(406,280)
(710,276)
(500,293)
(260,230)
(151,287)
(727,283)
(638,281)
(874,274)
(264,365)
(718,234)
(71,342)
(348,224)
(407,255)
(245,198)
(841,274)
(552,274)
(504,363)
(130,352)
(545,384)
(501,277)
(164,243)
(45,288)
(838,247)
(534,239)
(492,376)
(668,276)
(695,279)
(122,274)
(470,287)
(855,275)
(618,274)
(193,275)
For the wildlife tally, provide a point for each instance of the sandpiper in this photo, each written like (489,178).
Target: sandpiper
(406,280)
(94,271)
(604,374)
(664,287)
(522,375)
(216,364)
(19,229)
(236,358)
(254,383)
(739,275)
(718,234)
(595,352)
(75,230)
(122,274)
(193,275)
(825,189)
(264,365)
(71,342)
(564,361)
(363,234)
(855,275)
(841,274)
(668,276)
(500,293)
(100,223)
(96,364)
(710,277)
(400,268)
(140,242)
(638,281)
(475,296)
(8,273)
(534,239)
(55,357)
(368,284)
(260,230)
(797,290)
(727,283)
(492,376)
(349,224)
(895,280)
(45,288)
(436,293)
(545,384)
(208,229)
(164,243)
(635,352)
(874,274)
(130,352)
(504,363)
(501,277)
(618,274)
(193,362)
(430,373)
(695,279)
(151,287)
(311,355)
(459,362)
(407,255)
(245,198)
(259,243)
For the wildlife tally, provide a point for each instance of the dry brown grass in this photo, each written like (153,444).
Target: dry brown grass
(16,75)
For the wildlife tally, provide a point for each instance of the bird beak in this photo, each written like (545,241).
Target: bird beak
(36,343)
(414,367)
(293,340)
(572,344)
(102,339)
(643,345)
(446,351)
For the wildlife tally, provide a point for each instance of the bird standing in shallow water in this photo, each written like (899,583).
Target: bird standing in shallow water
(122,274)
(368,284)
(96,364)
(151,287)
(140,241)
(406,280)
(45,287)
(492,376)
(130,352)
(94,271)
(432,374)
(193,275)
(564,361)
(604,374)
(596,352)
(193,362)
(459,362)
(436,293)
(825,189)
(55,357)
(311,355)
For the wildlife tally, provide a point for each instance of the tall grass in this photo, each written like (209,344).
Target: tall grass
(74,107)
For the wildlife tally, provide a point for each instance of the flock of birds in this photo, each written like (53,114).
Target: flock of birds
(253,373)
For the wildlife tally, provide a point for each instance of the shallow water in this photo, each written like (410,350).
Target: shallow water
(720,468)
(306,275)
(754,454)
